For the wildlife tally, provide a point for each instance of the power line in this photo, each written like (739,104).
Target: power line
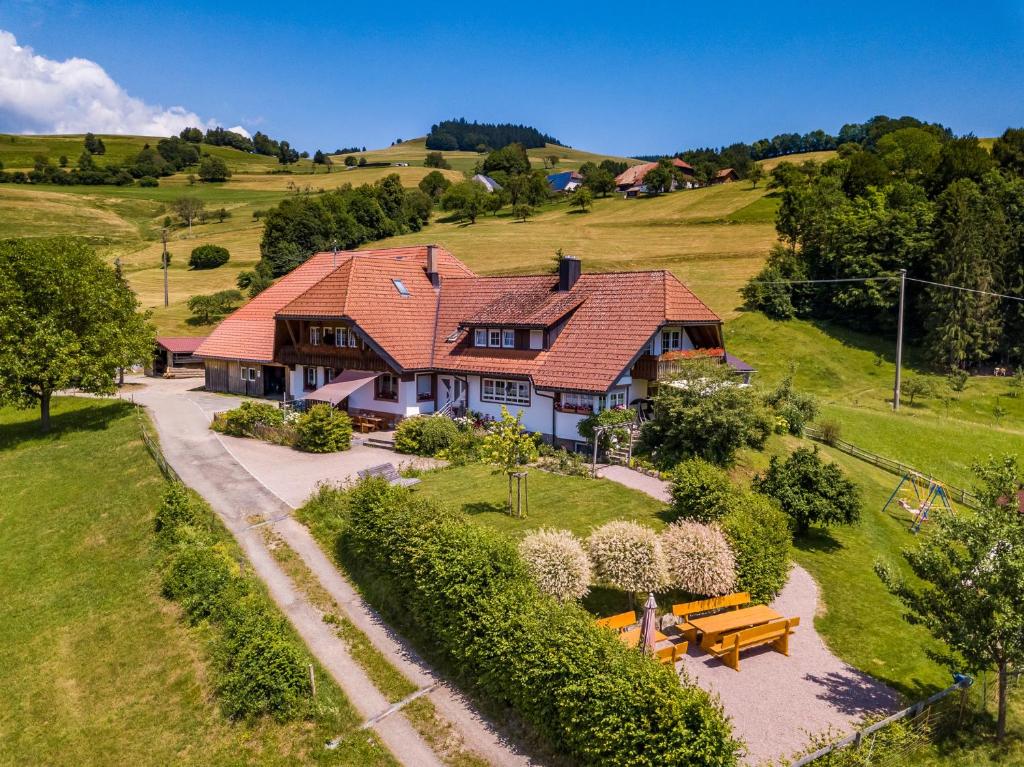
(815,282)
(966,290)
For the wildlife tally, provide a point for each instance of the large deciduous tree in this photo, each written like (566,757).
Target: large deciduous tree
(969,591)
(66,321)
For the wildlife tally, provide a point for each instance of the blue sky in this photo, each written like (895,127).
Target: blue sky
(619,78)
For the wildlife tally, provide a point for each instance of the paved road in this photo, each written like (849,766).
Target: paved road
(776,702)
(182,418)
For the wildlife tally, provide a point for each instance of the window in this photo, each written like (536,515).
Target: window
(314,335)
(352,340)
(671,340)
(617,399)
(328,336)
(310,377)
(400,287)
(328,375)
(494,337)
(424,387)
(575,403)
(480,337)
(248,374)
(511,392)
(508,339)
(340,336)
(386,387)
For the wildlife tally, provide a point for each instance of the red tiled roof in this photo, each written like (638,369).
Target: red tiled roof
(180,344)
(535,303)
(636,173)
(248,334)
(615,316)
(724,172)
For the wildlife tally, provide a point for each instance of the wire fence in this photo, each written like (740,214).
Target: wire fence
(154,448)
(898,468)
(892,741)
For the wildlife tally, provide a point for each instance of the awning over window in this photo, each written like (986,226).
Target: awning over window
(346,382)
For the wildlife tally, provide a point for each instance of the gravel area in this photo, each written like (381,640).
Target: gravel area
(776,702)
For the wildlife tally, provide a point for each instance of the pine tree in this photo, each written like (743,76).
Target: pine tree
(970,234)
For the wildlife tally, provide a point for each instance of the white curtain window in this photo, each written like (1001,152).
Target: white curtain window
(617,398)
(494,338)
(508,339)
(311,377)
(314,335)
(573,401)
(340,337)
(671,340)
(353,341)
(504,391)
(480,337)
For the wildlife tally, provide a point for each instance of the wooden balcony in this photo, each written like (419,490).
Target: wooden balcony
(338,357)
(667,366)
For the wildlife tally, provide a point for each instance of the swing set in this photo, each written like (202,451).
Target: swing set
(927,493)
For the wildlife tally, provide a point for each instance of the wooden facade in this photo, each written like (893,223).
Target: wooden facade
(226,376)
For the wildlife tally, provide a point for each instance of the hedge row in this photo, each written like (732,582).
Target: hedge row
(463,591)
(259,667)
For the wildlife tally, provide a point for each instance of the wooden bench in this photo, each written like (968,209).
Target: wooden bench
(618,622)
(670,655)
(701,606)
(387,471)
(775,633)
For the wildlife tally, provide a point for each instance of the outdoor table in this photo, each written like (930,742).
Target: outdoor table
(713,626)
(632,637)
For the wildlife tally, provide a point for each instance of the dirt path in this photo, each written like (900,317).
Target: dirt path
(200,457)
(776,702)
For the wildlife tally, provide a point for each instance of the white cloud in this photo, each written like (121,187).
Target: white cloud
(41,95)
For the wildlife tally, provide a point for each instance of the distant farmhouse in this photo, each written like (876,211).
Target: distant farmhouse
(631,180)
(725,176)
(399,332)
(489,183)
(566,181)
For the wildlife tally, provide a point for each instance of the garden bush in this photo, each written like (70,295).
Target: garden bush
(463,590)
(699,558)
(797,408)
(323,429)
(557,563)
(701,491)
(208,257)
(608,417)
(438,433)
(243,420)
(759,535)
(409,435)
(627,556)
(148,181)
(260,667)
(810,491)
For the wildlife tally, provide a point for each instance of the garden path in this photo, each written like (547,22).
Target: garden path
(778,703)
(242,499)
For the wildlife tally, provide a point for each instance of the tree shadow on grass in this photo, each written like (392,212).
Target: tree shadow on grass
(97,417)
(484,507)
(817,541)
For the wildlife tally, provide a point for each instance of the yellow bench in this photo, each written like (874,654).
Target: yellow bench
(618,622)
(775,633)
(671,654)
(701,606)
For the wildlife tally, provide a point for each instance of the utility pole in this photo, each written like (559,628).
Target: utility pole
(163,236)
(899,343)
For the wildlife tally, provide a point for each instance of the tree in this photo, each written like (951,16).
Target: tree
(192,135)
(362,161)
(436,160)
(600,181)
(285,154)
(188,210)
(68,321)
(508,447)
(957,380)
(628,556)
(701,491)
(698,558)
(755,174)
(916,386)
(208,257)
(1008,150)
(94,145)
(659,178)
(551,160)
(557,563)
(810,491)
(255,281)
(959,158)
(511,159)
(466,199)
(969,584)
(63,161)
(522,211)
(85,161)
(911,153)
(582,198)
(350,161)
(213,169)
(205,308)
(434,184)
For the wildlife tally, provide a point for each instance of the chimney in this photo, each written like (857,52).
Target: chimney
(569,269)
(432,273)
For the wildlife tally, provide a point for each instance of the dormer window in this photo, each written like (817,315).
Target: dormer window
(671,340)
(494,337)
(508,339)
(400,287)
(480,337)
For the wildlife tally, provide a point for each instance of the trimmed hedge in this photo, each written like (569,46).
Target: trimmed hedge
(464,591)
(259,666)
(760,536)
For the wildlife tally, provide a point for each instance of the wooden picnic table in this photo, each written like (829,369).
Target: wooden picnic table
(632,637)
(713,626)
(367,422)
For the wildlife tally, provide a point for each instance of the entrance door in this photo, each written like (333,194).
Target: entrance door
(453,391)
(273,380)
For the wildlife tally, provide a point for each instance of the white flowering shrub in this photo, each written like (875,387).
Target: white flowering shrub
(558,564)
(627,556)
(699,558)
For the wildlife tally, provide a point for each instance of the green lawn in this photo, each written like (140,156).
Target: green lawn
(95,666)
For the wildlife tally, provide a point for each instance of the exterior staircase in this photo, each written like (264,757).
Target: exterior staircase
(620,453)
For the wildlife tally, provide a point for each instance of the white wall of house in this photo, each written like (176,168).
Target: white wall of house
(684,339)
(537,416)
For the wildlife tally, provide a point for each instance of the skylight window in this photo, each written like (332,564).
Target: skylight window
(400,287)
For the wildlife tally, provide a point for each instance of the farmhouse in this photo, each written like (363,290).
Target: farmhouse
(566,181)
(632,178)
(406,331)
(725,176)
